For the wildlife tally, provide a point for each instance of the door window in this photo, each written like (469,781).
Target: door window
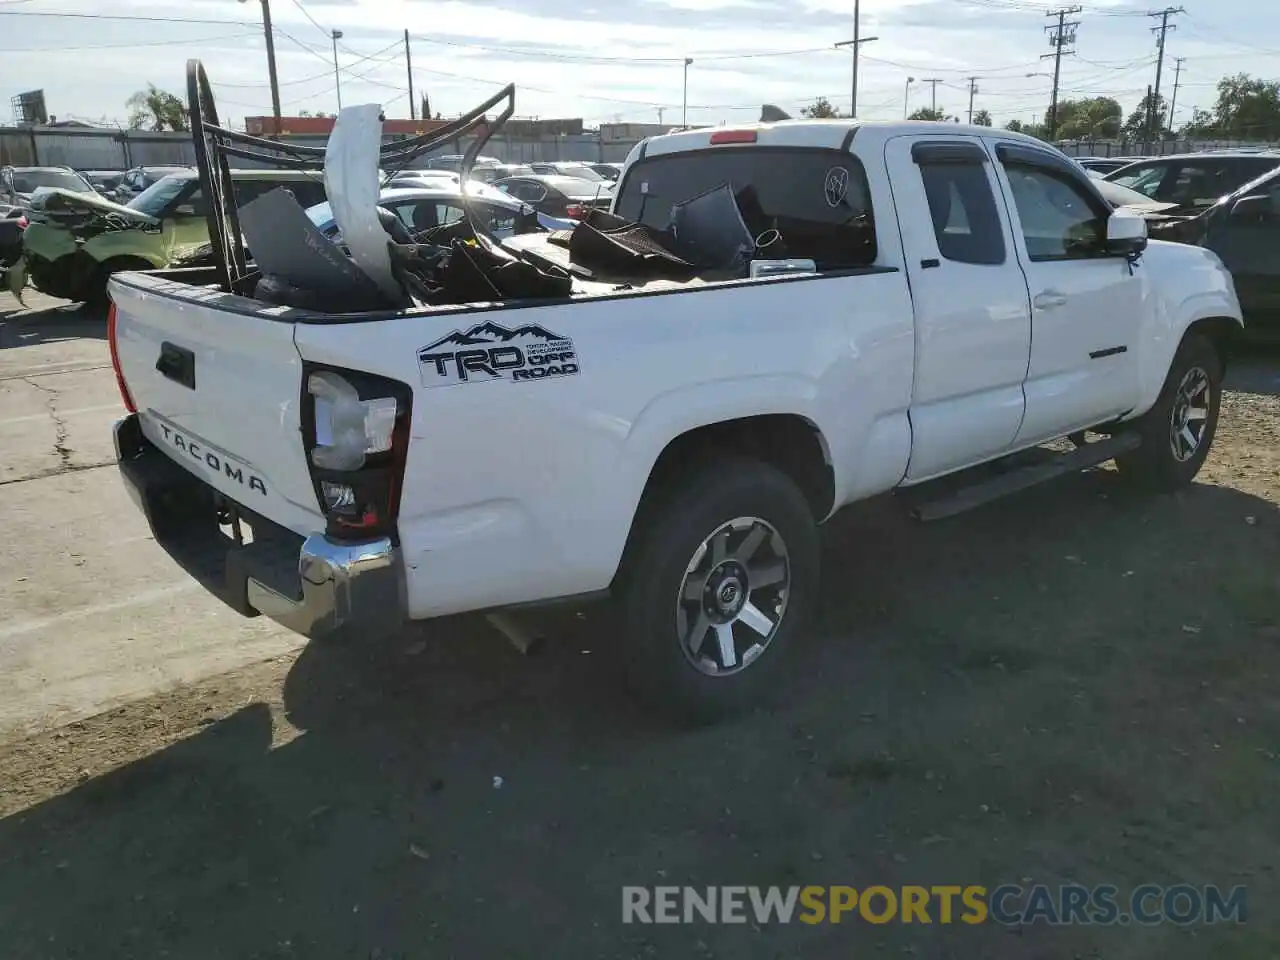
(963,208)
(1059,220)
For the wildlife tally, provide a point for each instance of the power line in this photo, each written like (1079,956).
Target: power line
(127,46)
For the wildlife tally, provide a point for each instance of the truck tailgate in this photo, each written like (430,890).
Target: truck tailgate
(217,388)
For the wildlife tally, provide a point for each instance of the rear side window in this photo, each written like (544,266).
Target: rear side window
(816,199)
(963,208)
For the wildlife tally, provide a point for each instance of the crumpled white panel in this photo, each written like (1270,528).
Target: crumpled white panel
(353,182)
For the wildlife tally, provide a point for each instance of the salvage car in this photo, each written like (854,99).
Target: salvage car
(76,241)
(139,179)
(1194,180)
(665,420)
(422,208)
(19,184)
(1243,230)
(558,196)
(106,182)
(569,168)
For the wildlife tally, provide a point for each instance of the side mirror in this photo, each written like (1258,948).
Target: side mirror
(1255,208)
(1126,233)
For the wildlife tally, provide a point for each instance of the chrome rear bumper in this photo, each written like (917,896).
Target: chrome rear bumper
(314,586)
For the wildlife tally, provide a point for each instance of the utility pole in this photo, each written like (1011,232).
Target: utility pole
(857,41)
(684,101)
(408,65)
(337,80)
(1062,35)
(271,61)
(973,88)
(1153,110)
(660,111)
(1177,80)
(933,96)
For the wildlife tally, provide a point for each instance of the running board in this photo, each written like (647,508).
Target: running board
(1081,458)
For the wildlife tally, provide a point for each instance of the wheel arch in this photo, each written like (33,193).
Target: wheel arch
(789,442)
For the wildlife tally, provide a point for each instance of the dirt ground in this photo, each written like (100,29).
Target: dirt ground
(1076,684)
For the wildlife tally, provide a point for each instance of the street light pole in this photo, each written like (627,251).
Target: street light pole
(337,80)
(684,102)
(271,61)
(906,97)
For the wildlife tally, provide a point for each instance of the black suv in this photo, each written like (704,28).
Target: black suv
(1194,179)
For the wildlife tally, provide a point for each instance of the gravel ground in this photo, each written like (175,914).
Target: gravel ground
(1072,685)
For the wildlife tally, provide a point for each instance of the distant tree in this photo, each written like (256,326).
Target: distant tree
(1139,125)
(156,109)
(820,109)
(926,113)
(1247,108)
(982,118)
(1030,129)
(1201,126)
(1095,118)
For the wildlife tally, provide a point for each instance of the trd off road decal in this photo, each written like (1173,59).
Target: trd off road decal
(489,351)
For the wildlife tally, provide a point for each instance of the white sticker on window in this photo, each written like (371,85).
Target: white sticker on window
(836,186)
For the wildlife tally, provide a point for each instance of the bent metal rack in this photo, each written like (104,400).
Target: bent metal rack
(214,144)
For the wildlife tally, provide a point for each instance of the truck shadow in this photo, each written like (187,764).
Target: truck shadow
(982,700)
(23,327)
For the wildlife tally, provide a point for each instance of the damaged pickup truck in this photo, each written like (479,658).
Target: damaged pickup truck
(663,404)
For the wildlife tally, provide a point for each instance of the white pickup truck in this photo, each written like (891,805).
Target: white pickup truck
(676,444)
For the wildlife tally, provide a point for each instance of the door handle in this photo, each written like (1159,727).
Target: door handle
(1049,299)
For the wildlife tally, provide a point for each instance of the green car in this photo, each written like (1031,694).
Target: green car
(75,241)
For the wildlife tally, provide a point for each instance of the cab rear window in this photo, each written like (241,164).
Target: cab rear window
(798,202)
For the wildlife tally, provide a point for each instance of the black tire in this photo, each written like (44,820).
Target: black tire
(95,295)
(1155,465)
(670,528)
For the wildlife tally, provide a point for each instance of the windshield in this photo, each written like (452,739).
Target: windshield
(31,180)
(153,200)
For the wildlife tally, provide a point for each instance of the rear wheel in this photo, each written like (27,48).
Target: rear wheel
(721,573)
(1178,430)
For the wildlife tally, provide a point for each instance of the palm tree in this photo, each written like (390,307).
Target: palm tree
(156,109)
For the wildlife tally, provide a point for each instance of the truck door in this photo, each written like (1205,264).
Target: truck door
(1086,306)
(972,315)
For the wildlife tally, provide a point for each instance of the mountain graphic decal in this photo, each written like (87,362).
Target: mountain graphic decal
(489,351)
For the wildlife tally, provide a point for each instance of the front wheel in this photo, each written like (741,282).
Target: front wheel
(721,573)
(1178,430)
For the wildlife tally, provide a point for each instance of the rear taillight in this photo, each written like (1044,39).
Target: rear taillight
(23,223)
(355,428)
(574,211)
(115,360)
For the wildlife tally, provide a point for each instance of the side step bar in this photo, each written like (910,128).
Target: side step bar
(1082,457)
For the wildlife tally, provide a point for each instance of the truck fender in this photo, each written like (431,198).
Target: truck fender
(1159,344)
(677,412)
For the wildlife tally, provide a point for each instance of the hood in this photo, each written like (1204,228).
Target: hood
(57,200)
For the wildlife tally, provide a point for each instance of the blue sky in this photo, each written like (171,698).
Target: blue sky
(604,60)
